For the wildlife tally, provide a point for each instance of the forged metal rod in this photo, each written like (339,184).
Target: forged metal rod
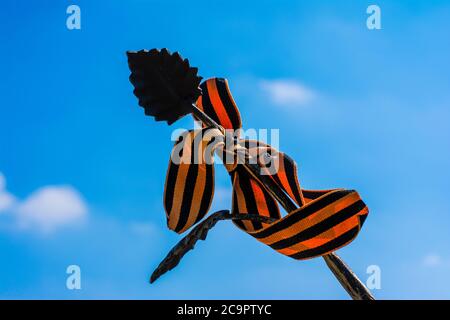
(199,233)
(346,277)
(355,288)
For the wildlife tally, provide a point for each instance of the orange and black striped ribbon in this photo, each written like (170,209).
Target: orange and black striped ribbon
(189,186)
(218,103)
(325,220)
(321,226)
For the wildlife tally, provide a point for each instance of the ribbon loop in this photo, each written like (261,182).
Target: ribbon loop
(189,186)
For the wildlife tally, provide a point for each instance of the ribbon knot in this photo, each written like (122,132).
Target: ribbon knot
(325,220)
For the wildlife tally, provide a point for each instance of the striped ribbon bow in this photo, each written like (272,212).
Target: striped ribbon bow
(325,220)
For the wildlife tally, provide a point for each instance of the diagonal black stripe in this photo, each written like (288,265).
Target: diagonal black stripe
(327,247)
(207,105)
(362,219)
(272,206)
(189,186)
(207,193)
(290,168)
(170,186)
(171,179)
(239,223)
(209,181)
(312,194)
(320,227)
(230,108)
(277,180)
(249,196)
(303,213)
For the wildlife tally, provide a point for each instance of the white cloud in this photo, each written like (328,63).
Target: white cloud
(51,207)
(432,260)
(46,209)
(7,201)
(287,93)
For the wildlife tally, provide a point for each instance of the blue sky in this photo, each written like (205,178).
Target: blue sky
(83,169)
